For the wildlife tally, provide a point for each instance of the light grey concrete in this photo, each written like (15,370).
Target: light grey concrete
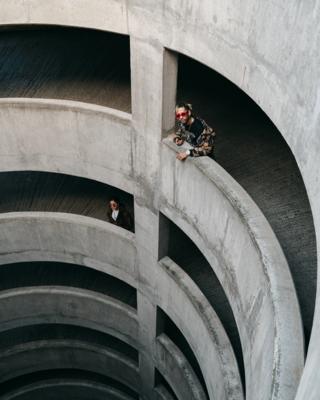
(54,354)
(52,304)
(162,393)
(177,371)
(185,304)
(108,15)
(243,251)
(52,389)
(268,49)
(75,239)
(71,137)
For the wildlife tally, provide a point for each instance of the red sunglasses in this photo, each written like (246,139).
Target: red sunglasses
(182,114)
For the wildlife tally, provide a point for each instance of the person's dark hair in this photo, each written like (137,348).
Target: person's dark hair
(115,199)
(187,106)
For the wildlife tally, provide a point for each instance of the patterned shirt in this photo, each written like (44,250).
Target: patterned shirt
(199,135)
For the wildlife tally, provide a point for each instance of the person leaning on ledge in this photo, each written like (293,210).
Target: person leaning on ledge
(194,131)
(118,215)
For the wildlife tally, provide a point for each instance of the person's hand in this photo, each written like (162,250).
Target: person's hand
(178,141)
(182,156)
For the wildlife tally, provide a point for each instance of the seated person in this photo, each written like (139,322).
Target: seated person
(118,215)
(194,131)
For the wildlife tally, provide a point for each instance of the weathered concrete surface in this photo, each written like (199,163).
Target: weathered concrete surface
(202,329)
(250,148)
(65,388)
(178,372)
(68,238)
(251,269)
(68,136)
(108,15)
(37,305)
(259,46)
(69,354)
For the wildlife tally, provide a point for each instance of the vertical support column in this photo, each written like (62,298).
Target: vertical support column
(149,94)
(146,89)
(170,75)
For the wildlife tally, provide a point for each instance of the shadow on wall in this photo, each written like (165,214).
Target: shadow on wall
(52,192)
(252,150)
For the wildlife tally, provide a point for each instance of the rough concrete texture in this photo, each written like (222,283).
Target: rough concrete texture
(219,367)
(268,50)
(247,268)
(50,390)
(177,370)
(68,238)
(34,356)
(67,140)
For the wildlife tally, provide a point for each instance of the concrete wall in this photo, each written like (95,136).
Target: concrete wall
(270,51)
(77,239)
(244,253)
(69,137)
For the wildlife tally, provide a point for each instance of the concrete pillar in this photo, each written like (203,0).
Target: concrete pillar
(147,334)
(170,75)
(147,99)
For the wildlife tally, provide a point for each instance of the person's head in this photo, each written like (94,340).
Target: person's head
(183,112)
(114,204)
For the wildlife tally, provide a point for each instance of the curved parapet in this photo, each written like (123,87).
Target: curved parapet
(73,306)
(244,253)
(50,236)
(69,137)
(214,351)
(108,15)
(63,388)
(70,354)
(174,366)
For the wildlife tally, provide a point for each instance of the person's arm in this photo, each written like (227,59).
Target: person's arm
(205,148)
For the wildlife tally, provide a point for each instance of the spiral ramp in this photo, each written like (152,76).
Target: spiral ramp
(212,295)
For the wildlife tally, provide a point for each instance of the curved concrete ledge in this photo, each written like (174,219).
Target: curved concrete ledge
(60,305)
(76,239)
(54,354)
(63,388)
(67,137)
(108,15)
(214,351)
(238,242)
(175,368)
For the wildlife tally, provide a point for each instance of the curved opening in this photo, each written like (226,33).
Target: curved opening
(49,191)
(66,63)
(61,274)
(253,151)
